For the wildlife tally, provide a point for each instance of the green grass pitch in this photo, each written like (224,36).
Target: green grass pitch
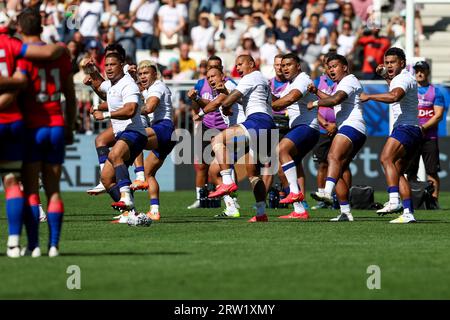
(191,255)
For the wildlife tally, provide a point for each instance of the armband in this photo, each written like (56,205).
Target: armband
(106,115)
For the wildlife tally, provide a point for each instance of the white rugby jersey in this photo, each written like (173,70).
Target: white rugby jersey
(160,90)
(298,111)
(405,110)
(238,115)
(256,92)
(124,91)
(350,112)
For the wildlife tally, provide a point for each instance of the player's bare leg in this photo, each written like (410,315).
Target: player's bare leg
(140,182)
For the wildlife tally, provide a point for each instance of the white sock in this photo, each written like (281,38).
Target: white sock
(329,187)
(298,207)
(140,176)
(13,240)
(197,191)
(233,177)
(226,176)
(394,198)
(229,203)
(321,190)
(261,208)
(345,208)
(102,165)
(154,208)
(291,176)
(125,194)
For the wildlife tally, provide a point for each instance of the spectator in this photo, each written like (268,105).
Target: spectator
(56,10)
(171,22)
(49,32)
(348,14)
(321,31)
(203,34)
(310,49)
(125,35)
(201,73)
(295,14)
(289,34)
(230,35)
(258,24)
(143,15)
(271,48)
(212,6)
(123,6)
(249,47)
(75,55)
(346,39)
(154,57)
(244,8)
(186,63)
(89,14)
(374,47)
(332,44)
(361,8)
(396,31)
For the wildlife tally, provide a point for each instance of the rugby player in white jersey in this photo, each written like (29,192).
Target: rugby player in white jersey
(304,130)
(158,103)
(221,88)
(351,133)
(254,93)
(106,139)
(122,95)
(406,134)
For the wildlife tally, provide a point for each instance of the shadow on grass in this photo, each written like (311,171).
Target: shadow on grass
(95,254)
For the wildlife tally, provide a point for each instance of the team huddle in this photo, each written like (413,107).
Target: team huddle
(325,116)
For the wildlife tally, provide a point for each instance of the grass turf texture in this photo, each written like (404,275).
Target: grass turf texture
(189,254)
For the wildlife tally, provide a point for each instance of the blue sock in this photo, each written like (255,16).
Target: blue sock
(102,153)
(55,218)
(122,175)
(114,192)
(15,205)
(154,202)
(407,204)
(31,220)
(138,169)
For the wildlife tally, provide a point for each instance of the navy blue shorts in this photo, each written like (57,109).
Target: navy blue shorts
(163,130)
(136,142)
(305,138)
(258,128)
(409,136)
(45,144)
(357,138)
(12,141)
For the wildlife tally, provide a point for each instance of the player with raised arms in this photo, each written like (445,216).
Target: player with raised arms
(406,135)
(303,133)
(351,133)
(254,92)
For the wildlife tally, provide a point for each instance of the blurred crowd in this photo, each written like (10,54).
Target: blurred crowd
(261,28)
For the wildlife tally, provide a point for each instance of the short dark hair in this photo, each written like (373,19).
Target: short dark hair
(394,51)
(115,55)
(219,69)
(30,22)
(340,58)
(292,56)
(116,47)
(217,58)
